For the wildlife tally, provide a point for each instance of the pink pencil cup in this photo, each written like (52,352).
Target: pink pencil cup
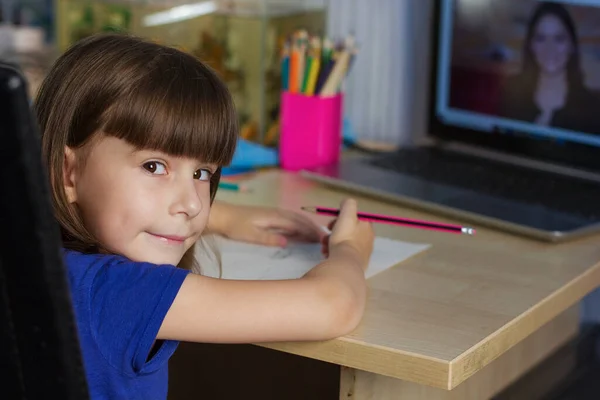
(311,133)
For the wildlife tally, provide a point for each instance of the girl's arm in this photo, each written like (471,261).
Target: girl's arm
(326,303)
(219,218)
(261,225)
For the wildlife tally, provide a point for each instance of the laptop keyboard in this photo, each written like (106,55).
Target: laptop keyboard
(554,191)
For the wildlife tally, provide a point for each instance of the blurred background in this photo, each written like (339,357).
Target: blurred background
(242,40)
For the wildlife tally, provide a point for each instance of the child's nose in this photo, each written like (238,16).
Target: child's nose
(186,199)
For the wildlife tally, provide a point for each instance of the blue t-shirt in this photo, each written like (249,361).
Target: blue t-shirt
(119,306)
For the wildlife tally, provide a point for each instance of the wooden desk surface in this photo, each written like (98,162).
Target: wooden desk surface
(441,316)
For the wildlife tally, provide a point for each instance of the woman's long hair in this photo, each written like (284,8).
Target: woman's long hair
(531,70)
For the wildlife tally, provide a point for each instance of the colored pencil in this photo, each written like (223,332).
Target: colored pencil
(315,66)
(340,70)
(233,186)
(302,48)
(309,65)
(334,80)
(326,68)
(388,219)
(294,66)
(285,67)
(327,51)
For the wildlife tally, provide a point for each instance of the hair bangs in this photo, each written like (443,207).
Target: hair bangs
(183,110)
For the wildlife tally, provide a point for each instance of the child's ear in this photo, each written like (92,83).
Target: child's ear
(69,174)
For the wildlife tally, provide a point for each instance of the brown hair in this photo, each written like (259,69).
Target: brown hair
(152,96)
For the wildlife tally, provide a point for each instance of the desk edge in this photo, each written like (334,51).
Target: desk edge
(496,344)
(379,360)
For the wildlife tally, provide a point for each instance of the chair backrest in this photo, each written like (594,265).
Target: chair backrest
(39,349)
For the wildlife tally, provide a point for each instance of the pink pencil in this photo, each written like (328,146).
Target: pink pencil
(388,219)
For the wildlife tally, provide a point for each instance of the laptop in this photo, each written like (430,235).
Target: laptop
(506,151)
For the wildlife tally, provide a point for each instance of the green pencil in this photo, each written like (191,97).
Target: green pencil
(309,62)
(232,186)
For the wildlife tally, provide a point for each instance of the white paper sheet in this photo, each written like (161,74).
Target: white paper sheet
(254,262)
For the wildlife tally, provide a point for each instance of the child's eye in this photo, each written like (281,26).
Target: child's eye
(202,174)
(155,167)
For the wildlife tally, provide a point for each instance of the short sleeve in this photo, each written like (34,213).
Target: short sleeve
(128,303)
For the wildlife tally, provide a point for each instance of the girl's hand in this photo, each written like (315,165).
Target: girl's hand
(348,231)
(262,225)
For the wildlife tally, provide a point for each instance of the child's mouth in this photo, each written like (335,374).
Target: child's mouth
(169,239)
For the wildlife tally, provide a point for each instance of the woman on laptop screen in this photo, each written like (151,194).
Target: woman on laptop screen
(550,88)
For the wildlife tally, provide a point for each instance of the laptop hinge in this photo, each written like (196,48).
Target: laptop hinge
(517,160)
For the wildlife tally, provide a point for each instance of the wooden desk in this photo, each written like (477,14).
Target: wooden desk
(487,307)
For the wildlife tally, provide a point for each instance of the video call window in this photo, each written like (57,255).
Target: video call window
(527,65)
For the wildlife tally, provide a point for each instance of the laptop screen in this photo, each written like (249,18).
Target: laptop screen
(521,67)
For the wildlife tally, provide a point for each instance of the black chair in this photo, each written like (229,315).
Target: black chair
(39,348)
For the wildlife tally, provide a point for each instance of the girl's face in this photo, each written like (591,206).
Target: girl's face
(551,45)
(145,205)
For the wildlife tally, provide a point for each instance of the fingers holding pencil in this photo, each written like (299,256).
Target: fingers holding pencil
(349,234)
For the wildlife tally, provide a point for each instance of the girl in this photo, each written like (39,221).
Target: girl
(134,137)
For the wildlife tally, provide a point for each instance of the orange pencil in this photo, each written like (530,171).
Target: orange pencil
(294,67)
